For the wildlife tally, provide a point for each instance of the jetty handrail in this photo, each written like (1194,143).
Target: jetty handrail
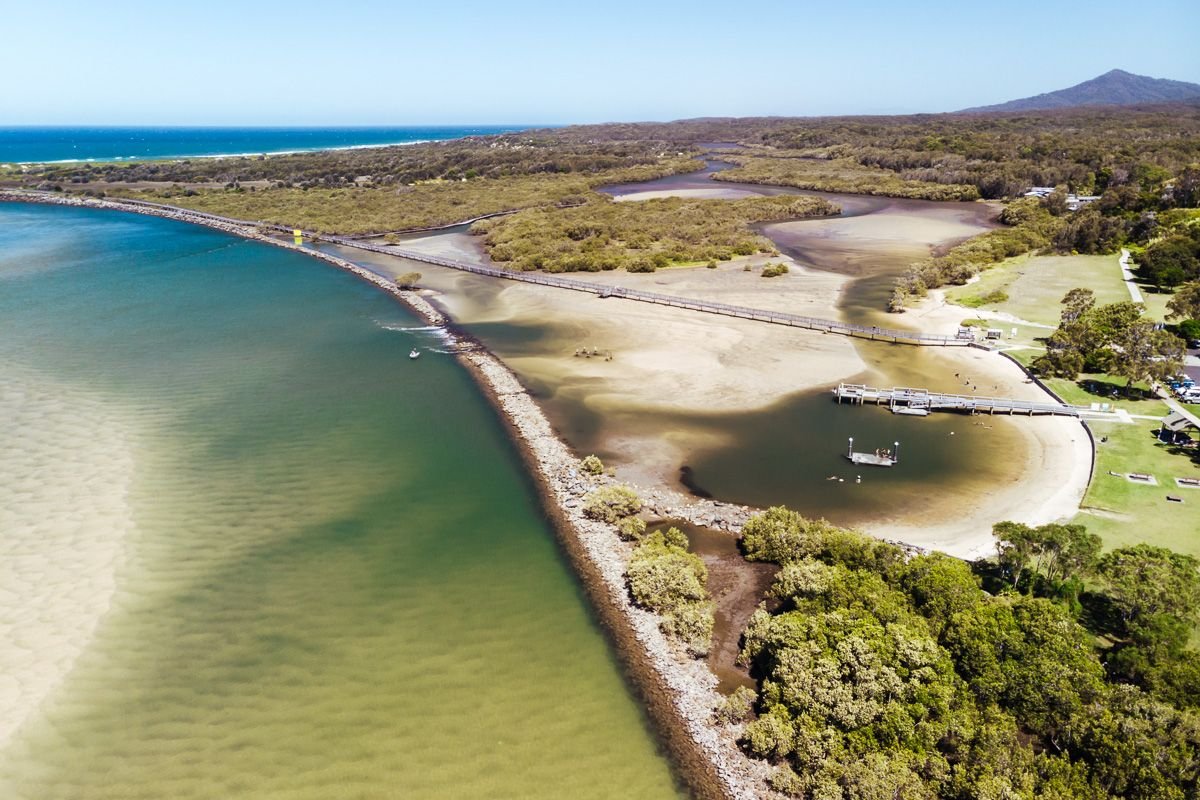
(947,401)
(893,335)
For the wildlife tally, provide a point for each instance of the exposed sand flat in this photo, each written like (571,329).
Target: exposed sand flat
(664,359)
(671,360)
(66,466)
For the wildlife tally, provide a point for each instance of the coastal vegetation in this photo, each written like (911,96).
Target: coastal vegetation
(612,503)
(376,209)
(457,160)
(639,237)
(1141,154)
(668,580)
(408,280)
(1053,671)
(846,175)
(1172,259)
(592,465)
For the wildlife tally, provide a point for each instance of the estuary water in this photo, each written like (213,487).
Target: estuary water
(248,548)
(62,143)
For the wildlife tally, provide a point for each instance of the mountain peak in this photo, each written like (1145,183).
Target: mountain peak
(1114,88)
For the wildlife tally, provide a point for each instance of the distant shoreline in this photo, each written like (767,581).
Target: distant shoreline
(248,154)
(457,132)
(678,692)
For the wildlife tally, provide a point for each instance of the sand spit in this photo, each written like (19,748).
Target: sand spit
(65,474)
(680,691)
(669,360)
(1059,450)
(666,361)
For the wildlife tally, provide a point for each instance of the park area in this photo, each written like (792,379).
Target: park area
(1026,293)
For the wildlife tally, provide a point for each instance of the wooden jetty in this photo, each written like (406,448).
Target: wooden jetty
(880,458)
(919,402)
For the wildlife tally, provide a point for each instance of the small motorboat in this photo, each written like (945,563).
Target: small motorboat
(414,353)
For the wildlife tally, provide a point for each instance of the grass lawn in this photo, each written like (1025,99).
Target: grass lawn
(1090,389)
(1156,302)
(1126,513)
(1035,285)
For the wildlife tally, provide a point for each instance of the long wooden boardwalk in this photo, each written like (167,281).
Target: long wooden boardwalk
(923,399)
(893,336)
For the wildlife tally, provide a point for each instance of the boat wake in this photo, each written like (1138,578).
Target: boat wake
(438,332)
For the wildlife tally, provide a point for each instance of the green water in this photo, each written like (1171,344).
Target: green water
(332,578)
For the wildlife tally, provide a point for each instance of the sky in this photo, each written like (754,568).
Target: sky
(244,62)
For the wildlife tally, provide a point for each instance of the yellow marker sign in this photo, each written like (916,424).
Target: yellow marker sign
(298,235)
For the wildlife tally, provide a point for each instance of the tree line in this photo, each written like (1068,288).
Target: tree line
(1114,339)
(1054,671)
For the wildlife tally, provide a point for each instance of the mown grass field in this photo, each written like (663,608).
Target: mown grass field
(1097,388)
(1125,513)
(1120,511)
(1034,285)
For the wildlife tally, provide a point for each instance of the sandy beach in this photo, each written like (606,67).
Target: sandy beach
(1059,451)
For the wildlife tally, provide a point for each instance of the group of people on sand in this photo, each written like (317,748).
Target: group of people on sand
(967,382)
(593,352)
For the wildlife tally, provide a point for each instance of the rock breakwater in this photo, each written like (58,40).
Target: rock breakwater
(680,690)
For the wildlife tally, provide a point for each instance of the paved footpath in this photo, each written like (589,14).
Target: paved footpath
(1135,294)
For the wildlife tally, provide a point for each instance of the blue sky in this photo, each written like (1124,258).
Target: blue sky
(540,61)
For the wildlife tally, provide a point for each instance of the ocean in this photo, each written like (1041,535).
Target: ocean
(49,144)
(248,548)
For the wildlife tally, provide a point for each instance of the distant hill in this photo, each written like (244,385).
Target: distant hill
(1114,88)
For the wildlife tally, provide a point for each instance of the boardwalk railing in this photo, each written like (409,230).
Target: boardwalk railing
(704,306)
(605,290)
(937,401)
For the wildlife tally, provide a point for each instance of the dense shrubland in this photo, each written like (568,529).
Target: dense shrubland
(1135,152)
(1174,258)
(668,580)
(662,575)
(377,209)
(837,175)
(885,675)
(500,156)
(612,503)
(641,236)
